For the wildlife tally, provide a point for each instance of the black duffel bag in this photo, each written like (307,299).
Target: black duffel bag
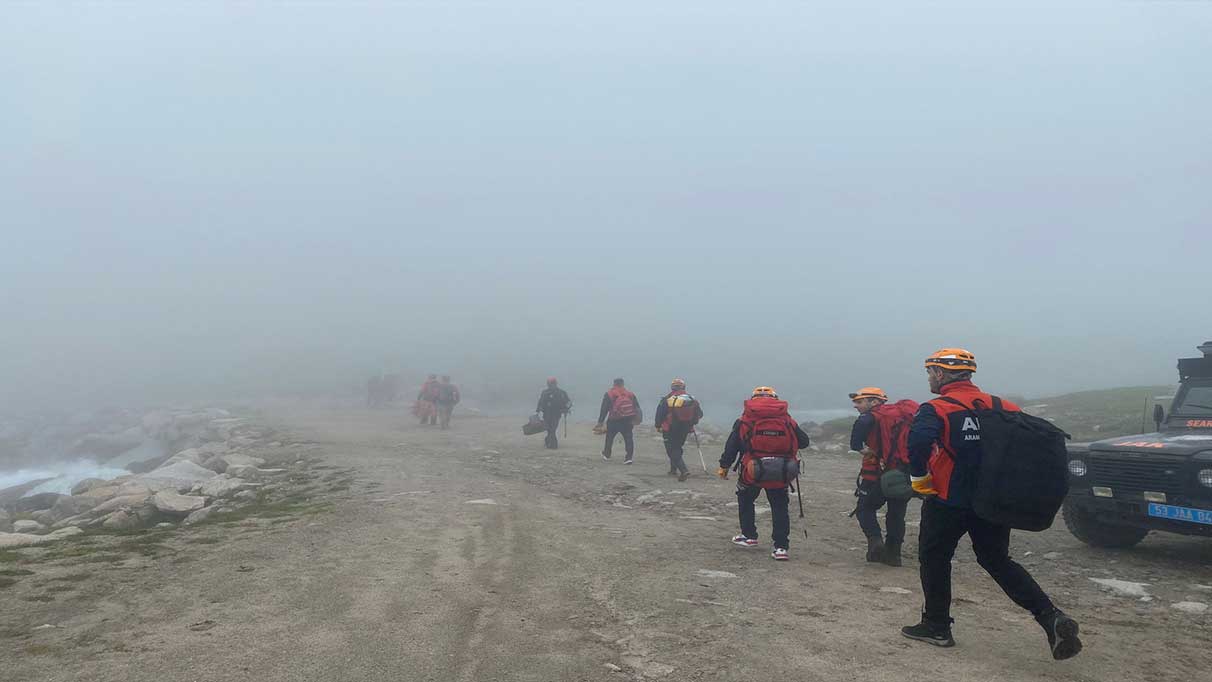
(1024,470)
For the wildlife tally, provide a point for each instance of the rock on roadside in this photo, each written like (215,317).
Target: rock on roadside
(9,540)
(170,502)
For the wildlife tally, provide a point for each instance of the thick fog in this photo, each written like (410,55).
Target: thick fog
(216,199)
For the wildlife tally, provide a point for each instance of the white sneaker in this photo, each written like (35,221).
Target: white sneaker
(779,554)
(742,541)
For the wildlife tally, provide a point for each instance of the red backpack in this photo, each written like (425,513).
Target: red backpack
(890,437)
(622,403)
(770,444)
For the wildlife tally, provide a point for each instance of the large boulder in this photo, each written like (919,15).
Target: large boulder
(35,502)
(122,520)
(122,502)
(187,455)
(9,540)
(180,475)
(237,459)
(199,516)
(27,526)
(70,505)
(222,486)
(170,502)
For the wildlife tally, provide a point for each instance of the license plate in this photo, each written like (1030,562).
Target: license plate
(1169,511)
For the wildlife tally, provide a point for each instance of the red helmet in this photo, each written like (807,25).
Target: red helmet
(551,381)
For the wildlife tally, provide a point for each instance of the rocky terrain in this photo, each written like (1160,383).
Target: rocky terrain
(389,551)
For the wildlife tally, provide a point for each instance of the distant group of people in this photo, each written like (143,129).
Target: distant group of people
(931,451)
(382,390)
(436,401)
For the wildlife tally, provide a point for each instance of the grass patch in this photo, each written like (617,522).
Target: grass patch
(15,571)
(41,650)
(60,588)
(43,598)
(9,557)
(7,582)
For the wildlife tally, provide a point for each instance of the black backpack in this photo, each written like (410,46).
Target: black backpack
(1024,472)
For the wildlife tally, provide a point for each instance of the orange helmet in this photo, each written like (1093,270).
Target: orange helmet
(764,392)
(952,359)
(677,383)
(870,392)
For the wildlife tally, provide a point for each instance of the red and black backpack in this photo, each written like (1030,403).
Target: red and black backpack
(770,444)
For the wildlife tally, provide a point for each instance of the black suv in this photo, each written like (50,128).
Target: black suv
(1122,488)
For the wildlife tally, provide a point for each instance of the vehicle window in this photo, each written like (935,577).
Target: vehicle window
(1197,402)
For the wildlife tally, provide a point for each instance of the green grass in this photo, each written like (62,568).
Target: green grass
(72,577)
(1094,415)
(10,557)
(1085,415)
(15,572)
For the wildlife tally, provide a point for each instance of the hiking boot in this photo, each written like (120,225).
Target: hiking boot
(683,476)
(930,634)
(875,550)
(1062,634)
(779,554)
(892,554)
(742,541)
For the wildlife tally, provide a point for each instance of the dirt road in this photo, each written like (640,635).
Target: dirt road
(475,554)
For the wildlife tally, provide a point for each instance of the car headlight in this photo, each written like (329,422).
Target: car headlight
(1077,467)
(1205,478)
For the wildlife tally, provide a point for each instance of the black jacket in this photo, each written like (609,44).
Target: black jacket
(860,431)
(554,401)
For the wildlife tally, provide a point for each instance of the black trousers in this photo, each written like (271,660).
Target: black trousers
(780,517)
(552,420)
(942,527)
(870,499)
(616,427)
(675,443)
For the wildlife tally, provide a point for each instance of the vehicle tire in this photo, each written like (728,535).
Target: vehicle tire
(1086,527)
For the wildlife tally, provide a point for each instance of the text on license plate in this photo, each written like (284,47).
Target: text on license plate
(1169,511)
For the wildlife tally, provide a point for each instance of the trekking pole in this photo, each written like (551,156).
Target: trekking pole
(801,501)
(700,449)
(566,423)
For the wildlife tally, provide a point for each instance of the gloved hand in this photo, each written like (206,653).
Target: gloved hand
(722,472)
(923,485)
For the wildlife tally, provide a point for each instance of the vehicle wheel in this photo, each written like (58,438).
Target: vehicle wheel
(1087,528)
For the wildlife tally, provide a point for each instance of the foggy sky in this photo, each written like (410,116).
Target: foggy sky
(217,197)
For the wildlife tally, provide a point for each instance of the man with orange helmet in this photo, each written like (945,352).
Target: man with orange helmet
(944,458)
(879,438)
(676,415)
(767,441)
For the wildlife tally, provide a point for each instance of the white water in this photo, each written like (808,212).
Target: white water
(65,475)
